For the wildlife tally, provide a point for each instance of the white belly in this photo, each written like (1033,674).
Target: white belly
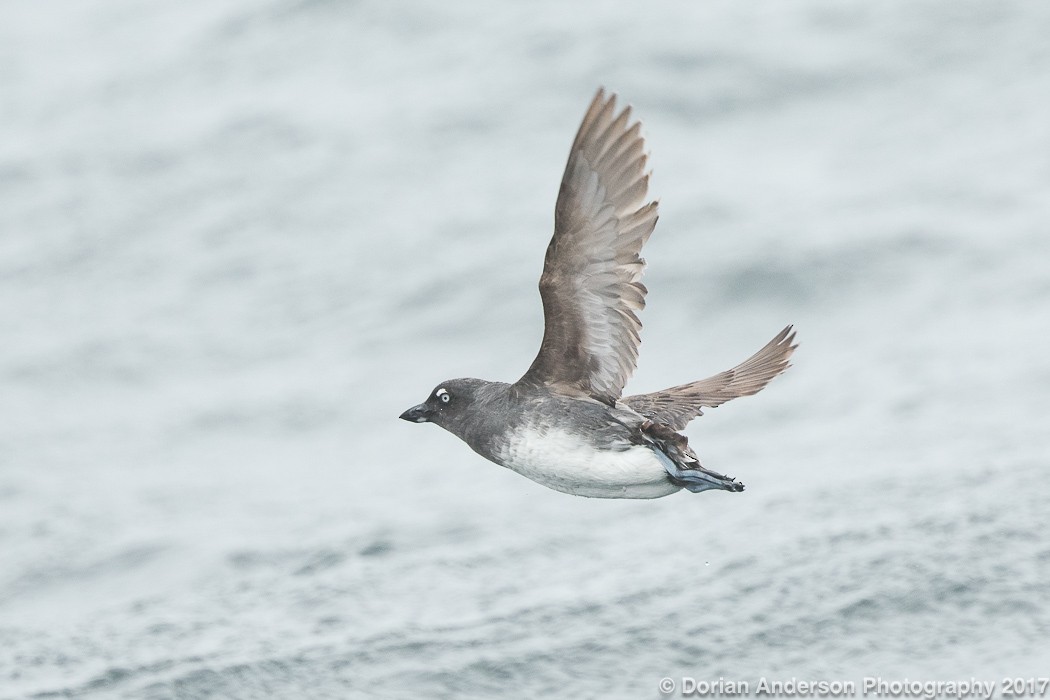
(565,463)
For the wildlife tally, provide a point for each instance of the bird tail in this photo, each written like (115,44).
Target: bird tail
(697,479)
(682,464)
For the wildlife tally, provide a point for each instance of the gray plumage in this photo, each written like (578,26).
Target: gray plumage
(591,283)
(677,406)
(564,424)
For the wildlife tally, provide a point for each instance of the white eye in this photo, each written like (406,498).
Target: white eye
(443,395)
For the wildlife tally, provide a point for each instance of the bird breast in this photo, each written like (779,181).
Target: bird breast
(569,463)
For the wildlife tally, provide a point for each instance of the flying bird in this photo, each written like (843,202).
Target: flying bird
(565,423)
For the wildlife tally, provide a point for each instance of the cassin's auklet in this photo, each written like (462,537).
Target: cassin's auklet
(564,423)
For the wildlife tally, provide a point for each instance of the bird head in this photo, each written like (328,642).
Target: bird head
(447,405)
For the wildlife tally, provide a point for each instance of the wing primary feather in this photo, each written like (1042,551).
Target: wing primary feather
(590,286)
(677,406)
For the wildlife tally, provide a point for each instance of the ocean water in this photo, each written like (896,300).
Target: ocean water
(238,238)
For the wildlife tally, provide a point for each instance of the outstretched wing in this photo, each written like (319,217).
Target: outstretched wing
(590,284)
(676,406)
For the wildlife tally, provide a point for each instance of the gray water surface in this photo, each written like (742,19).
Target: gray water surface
(238,238)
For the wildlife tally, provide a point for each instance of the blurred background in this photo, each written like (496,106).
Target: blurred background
(238,238)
